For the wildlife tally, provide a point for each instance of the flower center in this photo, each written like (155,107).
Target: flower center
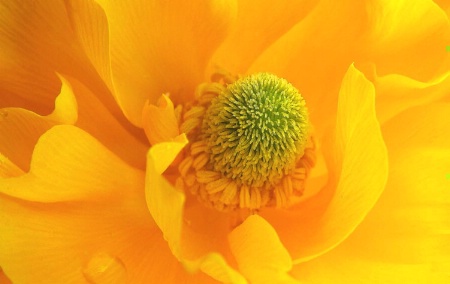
(250,142)
(255,129)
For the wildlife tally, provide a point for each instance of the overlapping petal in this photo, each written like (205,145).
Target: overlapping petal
(75,238)
(99,228)
(97,119)
(396,93)
(58,150)
(320,48)
(158,47)
(405,237)
(260,255)
(20,128)
(396,47)
(358,171)
(37,40)
(166,204)
(258,25)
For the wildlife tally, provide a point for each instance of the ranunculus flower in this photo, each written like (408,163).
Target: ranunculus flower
(96,183)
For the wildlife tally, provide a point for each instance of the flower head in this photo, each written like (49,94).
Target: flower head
(128,154)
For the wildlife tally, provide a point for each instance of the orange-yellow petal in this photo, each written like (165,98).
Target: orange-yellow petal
(20,128)
(396,93)
(103,232)
(415,207)
(8,168)
(160,122)
(96,118)
(357,177)
(164,202)
(315,54)
(90,28)
(159,47)
(320,48)
(91,34)
(405,237)
(260,255)
(166,205)
(408,38)
(258,25)
(57,151)
(3,278)
(37,40)
(341,265)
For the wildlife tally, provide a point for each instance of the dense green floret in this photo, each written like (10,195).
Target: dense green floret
(256,129)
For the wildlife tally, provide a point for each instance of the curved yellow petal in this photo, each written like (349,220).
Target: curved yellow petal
(96,118)
(342,265)
(102,240)
(66,108)
(259,253)
(97,173)
(159,121)
(166,205)
(314,55)
(159,47)
(90,28)
(357,177)
(3,278)
(8,168)
(405,237)
(258,24)
(107,234)
(415,207)
(396,93)
(165,202)
(91,33)
(321,47)
(408,38)
(24,80)
(37,40)
(20,128)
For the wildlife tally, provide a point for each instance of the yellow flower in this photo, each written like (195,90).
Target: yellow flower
(91,145)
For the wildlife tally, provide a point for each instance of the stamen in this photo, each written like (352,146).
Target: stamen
(250,142)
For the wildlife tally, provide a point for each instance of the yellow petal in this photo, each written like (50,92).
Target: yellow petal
(106,240)
(259,253)
(358,176)
(90,28)
(258,24)
(98,237)
(321,47)
(24,80)
(405,238)
(20,128)
(343,265)
(318,49)
(411,38)
(37,40)
(396,93)
(159,122)
(8,168)
(97,119)
(56,155)
(3,278)
(415,206)
(66,109)
(166,205)
(27,85)
(164,202)
(162,47)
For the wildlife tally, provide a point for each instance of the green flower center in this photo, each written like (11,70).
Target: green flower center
(256,129)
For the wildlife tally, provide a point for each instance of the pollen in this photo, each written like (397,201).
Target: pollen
(255,129)
(251,143)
